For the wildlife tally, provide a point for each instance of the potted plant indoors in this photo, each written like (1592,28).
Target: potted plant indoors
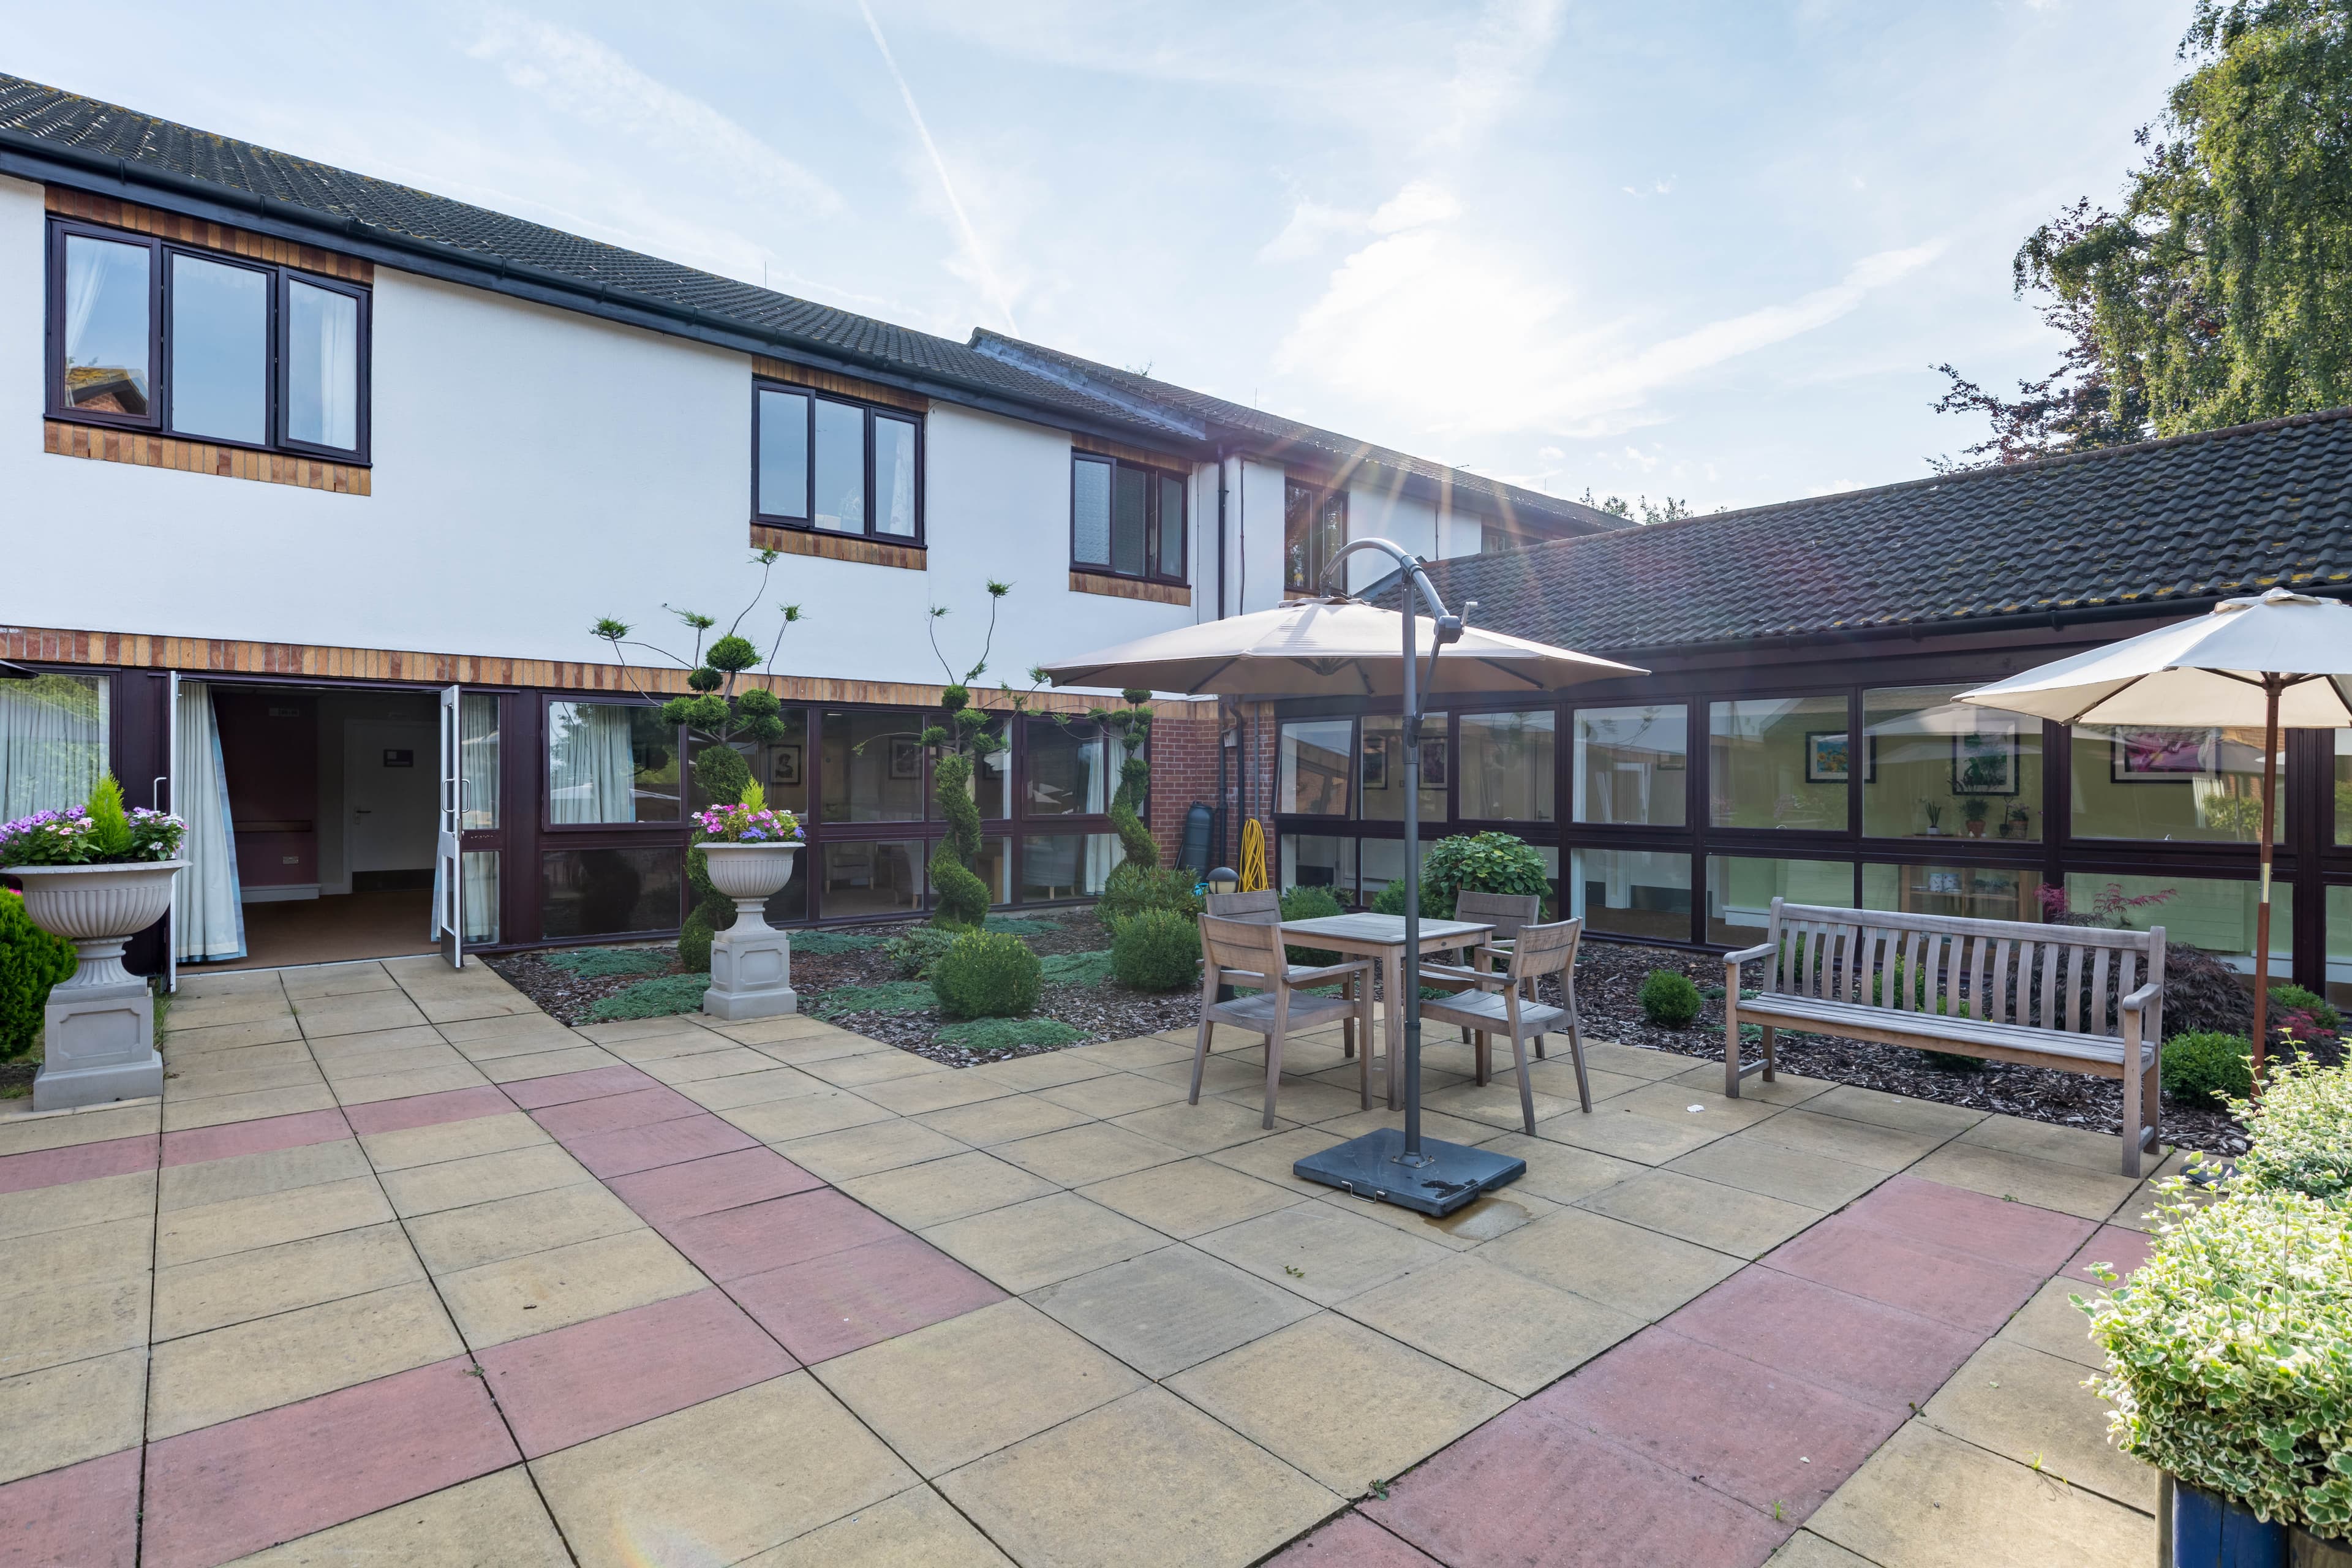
(1973,811)
(97,877)
(1935,810)
(747,850)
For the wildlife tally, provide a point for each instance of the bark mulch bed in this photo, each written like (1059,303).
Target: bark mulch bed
(1608,978)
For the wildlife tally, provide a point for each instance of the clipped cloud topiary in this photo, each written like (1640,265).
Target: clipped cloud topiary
(1669,999)
(2204,1070)
(1159,950)
(2229,1355)
(987,974)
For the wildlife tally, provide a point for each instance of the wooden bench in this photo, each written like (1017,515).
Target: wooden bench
(2069,998)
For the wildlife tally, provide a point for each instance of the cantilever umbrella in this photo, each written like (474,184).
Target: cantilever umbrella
(2280,661)
(1340,647)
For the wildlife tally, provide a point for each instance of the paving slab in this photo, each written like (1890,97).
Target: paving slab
(2016,1234)
(915,1529)
(983,1124)
(806,1115)
(437,1143)
(595,1377)
(84,1514)
(843,1302)
(563,1089)
(1146,1482)
(1189,1197)
(734,1090)
(1630,1269)
(1727,1219)
(83,1254)
(1273,1157)
(1623,1134)
(942,1090)
(251,1176)
(239,1224)
(452,1239)
(1352,1541)
(947,1394)
(1116,1094)
(186,1114)
(1866,1349)
(1320,1251)
(99,1201)
(1952,1287)
(673,1192)
(2033,1407)
(2045,1184)
(224,1491)
(733,1243)
(191,1298)
(1028,1245)
(223,1373)
(1092,1152)
(704,1066)
(522,1066)
(1929,1500)
(481,1178)
(542,1291)
(1750,1162)
(63,1415)
(2074,1146)
(1170,1309)
(1512,1331)
(1561,1173)
(631,1149)
(723,1480)
(1344,1404)
(1882,1110)
(578,1119)
(1865,1143)
(428,1109)
(920,1196)
(875,1147)
(57,1165)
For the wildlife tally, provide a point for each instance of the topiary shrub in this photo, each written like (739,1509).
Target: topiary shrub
(986,975)
(2229,1355)
(693,938)
(2295,999)
(1130,890)
(1389,900)
(2301,1131)
(2204,1070)
(1159,950)
(1309,904)
(1484,863)
(914,953)
(1669,999)
(1008,1033)
(31,962)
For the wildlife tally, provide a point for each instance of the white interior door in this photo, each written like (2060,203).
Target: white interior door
(168,783)
(449,871)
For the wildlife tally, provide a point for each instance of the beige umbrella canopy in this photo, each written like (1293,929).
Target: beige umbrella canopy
(2282,661)
(1327,647)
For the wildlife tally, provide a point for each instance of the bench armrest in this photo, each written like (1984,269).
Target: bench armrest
(2140,998)
(1734,960)
(1298,977)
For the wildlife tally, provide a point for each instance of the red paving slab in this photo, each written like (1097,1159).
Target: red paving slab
(1352,1541)
(1762,1435)
(1528,1488)
(830,1306)
(581,1382)
(610,1112)
(2016,1235)
(753,1240)
(224,1491)
(84,1514)
(562,1087)
(2121,1250)
(673,1192)
(428,1109)
(1867,1350)
(631,1149)
(75,1162)
(263,1137)
(1954,1287)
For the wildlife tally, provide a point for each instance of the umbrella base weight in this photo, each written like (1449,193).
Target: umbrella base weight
(1373,1166)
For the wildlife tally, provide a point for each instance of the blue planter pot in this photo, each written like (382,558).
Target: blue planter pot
(2209,1530)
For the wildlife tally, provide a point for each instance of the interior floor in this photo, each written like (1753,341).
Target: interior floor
(332,930)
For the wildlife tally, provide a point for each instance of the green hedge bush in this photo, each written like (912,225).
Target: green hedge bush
(1669,999)
(1309,904)
(2295,999)
(1484,863)
(1390,900)
(31,961)
(1131,888)
(987,974)
(917,951)
(2229,1355)
(2300,1132)
(1159,950)
(2204,1070)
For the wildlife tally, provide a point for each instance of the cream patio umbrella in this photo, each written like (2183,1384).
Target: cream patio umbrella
(1340,646)
(2283,661)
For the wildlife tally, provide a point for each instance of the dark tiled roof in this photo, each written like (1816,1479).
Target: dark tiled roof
(1217,416)
(2194,517)
(46,115)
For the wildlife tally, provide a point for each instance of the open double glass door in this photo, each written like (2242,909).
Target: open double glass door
(166,792)
(449,869)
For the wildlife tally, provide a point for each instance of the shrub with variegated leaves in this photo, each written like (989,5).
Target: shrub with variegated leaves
(2301,1131)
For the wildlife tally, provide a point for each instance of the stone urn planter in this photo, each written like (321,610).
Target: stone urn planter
(751,962)
(99,1033)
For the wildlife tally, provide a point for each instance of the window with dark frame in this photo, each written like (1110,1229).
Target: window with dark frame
(1314,527)
(834,465)
(147,334)
(1126,521)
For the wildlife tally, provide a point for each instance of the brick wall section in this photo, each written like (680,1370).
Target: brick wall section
(1183,769)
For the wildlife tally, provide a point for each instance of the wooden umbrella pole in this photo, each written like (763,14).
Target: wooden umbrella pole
(2263,909)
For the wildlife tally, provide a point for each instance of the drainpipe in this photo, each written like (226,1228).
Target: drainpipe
(1221,542)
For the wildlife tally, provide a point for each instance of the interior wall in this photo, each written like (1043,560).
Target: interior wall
(338,712)
(269,754)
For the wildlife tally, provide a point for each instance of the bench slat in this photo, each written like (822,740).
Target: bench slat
(1873,1023)
(2099,995)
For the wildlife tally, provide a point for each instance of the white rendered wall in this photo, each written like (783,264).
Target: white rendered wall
(534,469)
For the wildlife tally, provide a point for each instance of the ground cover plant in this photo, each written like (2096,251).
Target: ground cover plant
(652,998)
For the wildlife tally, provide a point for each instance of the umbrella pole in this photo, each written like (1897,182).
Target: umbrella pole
(1410,1001)
(2263,909)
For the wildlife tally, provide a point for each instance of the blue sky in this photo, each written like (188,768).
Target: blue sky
(1701,250)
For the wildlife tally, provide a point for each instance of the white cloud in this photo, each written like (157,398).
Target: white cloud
(587,80)
(1493,66)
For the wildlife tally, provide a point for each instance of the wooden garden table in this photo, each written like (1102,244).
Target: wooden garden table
(1382,937)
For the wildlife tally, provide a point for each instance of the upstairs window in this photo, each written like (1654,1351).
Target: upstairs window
(154,336)
(835,466)
(1314,527)
(1126,521)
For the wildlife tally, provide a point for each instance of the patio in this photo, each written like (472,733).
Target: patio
(401,1271)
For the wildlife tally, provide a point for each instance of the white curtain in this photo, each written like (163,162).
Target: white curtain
(480,871)
(52,743)
(592,769)
(478,758)
(207,915)
(1103,850)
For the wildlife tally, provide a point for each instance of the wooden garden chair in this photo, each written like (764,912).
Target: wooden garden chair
(1504,1003)
(1507,912)
(1250,952)
(1265,907)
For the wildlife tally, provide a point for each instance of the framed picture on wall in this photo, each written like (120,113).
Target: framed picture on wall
(1376,762)
(906,757)
(784,767)
(1984,760)
(1433,763)
(2145,754)
(1829,756)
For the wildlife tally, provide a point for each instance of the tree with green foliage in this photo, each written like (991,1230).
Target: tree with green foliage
(727,714)
(961,898)
(1131,882)
(2221,291)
